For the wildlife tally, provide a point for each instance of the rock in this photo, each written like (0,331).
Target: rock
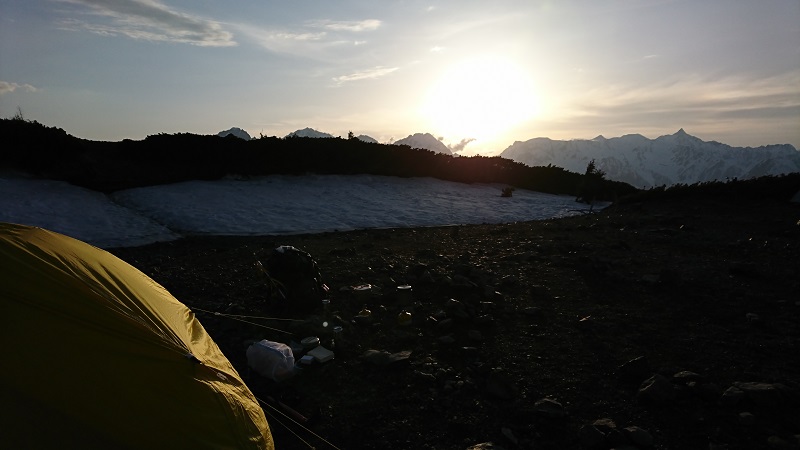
(616,439)
(485,446)
(605,426)
(444,325)
(509,435)
(447,340)
(731,397)
(709,391)
(657,390)
(501,386)
(384,358)
(747,419)
(470,352)
(753,319)
(475,335)
(639,436)
(634,371)
(591,437)
(762,394)
(778,443)
(549,408)
(532,311)
(483,319)
(685,377)
(456,309)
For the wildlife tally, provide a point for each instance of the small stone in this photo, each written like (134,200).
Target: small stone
(509,435)
(747,419)
(475,335)
(634,371)
(384,358)
(639,436)
(616,439)
(657,390)
(549,408)
(501,386)
(753,318)
(532,311)
(591,437)
(779,443)
(447,340)
(485,446)
(605,425)
(685,377)
(731,397)
(762,394)
(709,391)
(484,319)
(445,324)
(471,352)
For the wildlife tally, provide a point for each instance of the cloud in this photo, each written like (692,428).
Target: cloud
(286,36)
(148,20)
(460,146)
(351,26)
(8,87)
(369,74)
(727,106)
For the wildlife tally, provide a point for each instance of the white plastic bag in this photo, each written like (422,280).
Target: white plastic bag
(271,359)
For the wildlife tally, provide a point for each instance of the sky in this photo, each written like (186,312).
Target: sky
(272,205)
(478,75)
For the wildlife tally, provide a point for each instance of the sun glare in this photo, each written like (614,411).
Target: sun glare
(480,99)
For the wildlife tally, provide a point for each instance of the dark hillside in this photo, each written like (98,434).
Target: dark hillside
(168,158)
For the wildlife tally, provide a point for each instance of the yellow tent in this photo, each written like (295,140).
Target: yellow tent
(98,355)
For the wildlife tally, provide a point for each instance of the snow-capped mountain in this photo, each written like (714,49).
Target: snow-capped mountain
(309,132)
(666,160)
(238,132)
(365,138)
(424,141)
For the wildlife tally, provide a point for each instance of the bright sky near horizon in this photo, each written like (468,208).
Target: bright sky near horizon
(467,71)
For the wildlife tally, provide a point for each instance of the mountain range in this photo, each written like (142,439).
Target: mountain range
(678,158)
(424,141)
(418,140)
(238,132)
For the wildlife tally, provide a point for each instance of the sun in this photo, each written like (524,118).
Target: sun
(480,99)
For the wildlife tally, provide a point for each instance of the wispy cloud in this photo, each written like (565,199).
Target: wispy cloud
(8,87)
(310,37)
(148,20)
(301,37)
(459,146)
(355,26)
(369,74)
(698,103)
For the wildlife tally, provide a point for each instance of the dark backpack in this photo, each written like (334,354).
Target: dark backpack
(295,279)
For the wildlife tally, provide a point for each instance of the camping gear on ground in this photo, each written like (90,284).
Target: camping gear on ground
(321,354)
(363,292)
(404,294)
(309,342)
(297,277)
(99,355)
(272,360)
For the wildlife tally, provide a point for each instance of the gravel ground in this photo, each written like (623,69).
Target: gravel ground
(669,324)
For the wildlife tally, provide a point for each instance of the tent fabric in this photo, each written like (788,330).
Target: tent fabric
(98,355)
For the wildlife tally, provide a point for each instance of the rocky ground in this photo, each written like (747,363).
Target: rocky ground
(666,324)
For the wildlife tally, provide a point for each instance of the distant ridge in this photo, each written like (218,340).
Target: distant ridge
(424,141)
(238,132)
(310,133)
(365,138)
(678,158)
